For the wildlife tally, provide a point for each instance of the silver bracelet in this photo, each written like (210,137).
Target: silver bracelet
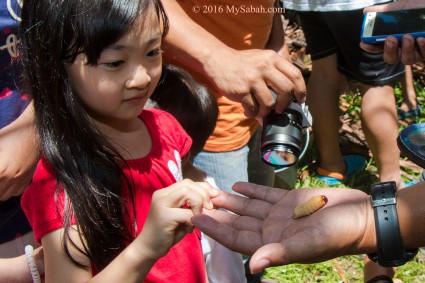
(29,254)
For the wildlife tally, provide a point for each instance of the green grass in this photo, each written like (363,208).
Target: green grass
(342,269)
(349,268)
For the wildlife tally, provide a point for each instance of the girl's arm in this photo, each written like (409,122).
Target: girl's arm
(167,224)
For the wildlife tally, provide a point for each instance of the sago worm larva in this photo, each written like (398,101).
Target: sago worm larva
(313,204)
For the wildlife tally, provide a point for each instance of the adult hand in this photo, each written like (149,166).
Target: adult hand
(411,51)
(18,155)
(247,74)
(240,75)
(263,225)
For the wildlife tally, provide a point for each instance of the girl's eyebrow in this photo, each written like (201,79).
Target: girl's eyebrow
(155,38)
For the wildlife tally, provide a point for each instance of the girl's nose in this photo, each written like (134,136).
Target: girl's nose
(139,78)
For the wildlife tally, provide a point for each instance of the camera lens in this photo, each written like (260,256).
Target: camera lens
(281,138)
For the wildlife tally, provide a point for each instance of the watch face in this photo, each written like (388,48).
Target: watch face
(408,256)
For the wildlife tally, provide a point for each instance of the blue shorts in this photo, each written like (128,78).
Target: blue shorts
(13,221)
(339,32)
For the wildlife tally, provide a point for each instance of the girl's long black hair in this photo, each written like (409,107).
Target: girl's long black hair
(86,165)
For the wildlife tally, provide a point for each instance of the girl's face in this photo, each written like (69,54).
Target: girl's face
(116,89)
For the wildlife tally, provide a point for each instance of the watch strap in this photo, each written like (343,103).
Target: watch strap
(390,246)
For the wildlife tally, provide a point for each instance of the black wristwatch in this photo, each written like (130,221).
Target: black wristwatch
(390,246)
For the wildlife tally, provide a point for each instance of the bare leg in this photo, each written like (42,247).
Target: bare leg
(379,122)
(372,269)
(408,91)
(323,101)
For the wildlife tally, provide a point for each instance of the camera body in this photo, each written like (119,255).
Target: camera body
(282,135)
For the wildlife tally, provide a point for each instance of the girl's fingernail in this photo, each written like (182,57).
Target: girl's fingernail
(210,205)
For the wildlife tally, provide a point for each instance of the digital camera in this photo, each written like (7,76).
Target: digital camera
(282,135)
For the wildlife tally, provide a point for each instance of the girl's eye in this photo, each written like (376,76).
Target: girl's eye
(155,52)
(113,65)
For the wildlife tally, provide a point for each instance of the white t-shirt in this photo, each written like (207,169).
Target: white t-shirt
(329,5)
(223,265)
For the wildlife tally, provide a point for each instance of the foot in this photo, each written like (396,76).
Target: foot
(374,273)
(354,165)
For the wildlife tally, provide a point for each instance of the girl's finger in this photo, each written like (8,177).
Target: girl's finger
(189,194)
(183,217)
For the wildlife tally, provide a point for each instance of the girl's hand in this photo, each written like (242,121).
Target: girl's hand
(168,221)
(170,215)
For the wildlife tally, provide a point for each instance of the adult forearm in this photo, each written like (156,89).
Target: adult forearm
(411,217)
(19,149)
(276,40)
(241,75)
(15,270)
(411,214)
(23,123)
(187,42)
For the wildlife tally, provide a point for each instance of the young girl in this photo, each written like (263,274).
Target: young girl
(91,66)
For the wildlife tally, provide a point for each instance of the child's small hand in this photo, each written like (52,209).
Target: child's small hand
(170,214)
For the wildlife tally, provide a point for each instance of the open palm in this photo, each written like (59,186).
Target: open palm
(263,226)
